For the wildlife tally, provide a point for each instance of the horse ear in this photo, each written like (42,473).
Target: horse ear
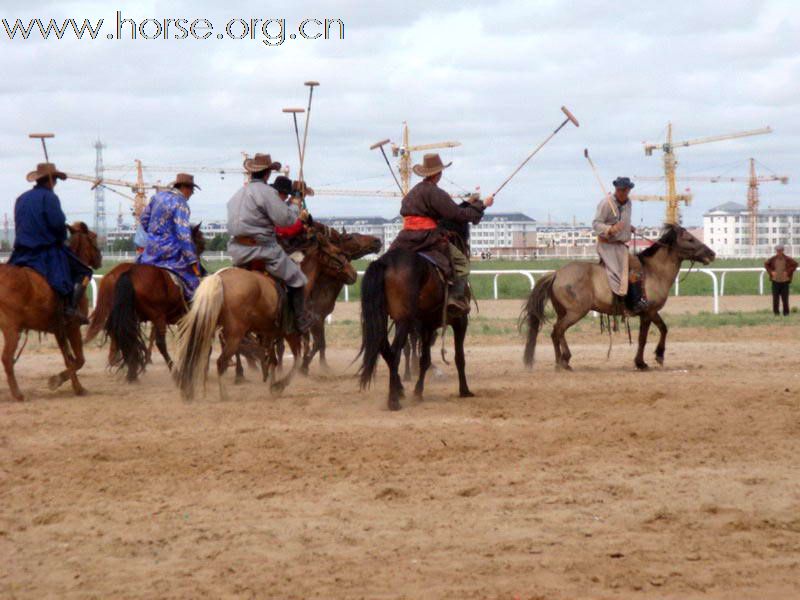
(83,227)
(71,229)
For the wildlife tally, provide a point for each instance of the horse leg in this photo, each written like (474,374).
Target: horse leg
(11,337)
(321,344)
(159,333)
(392,357)
(644,328)
(148,357)
(662,340)
(239,378)
(230,347)
(296,346)
(459,333)
(407,361)
(310,348)
(424,361)
(57,380)
(76,341)
(564,322)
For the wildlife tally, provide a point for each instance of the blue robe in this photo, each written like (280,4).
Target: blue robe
(169,238)
(40,232)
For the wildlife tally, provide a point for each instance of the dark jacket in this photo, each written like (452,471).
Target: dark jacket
(427,200)
(40,232)
(791,266)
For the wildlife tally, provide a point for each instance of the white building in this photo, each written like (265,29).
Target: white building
(726,229)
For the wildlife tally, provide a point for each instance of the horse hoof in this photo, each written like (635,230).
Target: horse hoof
(54,382)
(394,405)
(466,394)
(19,398)
(643,366)
(277,388)
(660,360)
(239,379)
(82,392)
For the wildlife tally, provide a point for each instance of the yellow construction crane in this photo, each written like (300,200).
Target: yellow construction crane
(670,162)
(138,187)
(753,181)
(403,152)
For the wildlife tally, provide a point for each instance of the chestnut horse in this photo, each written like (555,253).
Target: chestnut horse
(408,288)
(132,294)
(578,287)
(27,302)
(241,302)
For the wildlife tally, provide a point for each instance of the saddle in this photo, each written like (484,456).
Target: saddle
(285,318)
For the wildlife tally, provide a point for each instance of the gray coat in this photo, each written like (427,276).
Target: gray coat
(612,250)
(254,211)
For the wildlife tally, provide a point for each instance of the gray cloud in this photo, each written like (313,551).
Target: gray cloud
(491,75)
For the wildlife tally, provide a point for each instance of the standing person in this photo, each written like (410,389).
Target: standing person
(424,210)
(780,268)
(612,224)
(169,243)
(254,212)
(40,232)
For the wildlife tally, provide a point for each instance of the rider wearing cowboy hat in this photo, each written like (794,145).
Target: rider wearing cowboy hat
(168,241)
(254,212)
(424,209)
(40,230)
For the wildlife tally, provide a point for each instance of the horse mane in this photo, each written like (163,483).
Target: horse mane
(668,239)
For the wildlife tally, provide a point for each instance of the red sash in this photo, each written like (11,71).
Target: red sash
(416,223)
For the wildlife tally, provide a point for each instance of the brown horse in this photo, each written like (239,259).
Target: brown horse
(327,288)
(579,287)
(406,287)
(242,302)
(132,294)
(28,302)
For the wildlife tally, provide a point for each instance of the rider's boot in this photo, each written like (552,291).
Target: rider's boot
(635,301)
(302,320)
(458,299)
(72,310)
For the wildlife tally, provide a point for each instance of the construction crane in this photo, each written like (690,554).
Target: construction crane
(670,162)
(753,181)
(138,187)
(403,152)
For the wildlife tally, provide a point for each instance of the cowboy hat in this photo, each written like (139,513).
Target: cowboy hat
(431,165)
(45,170)
(260,162)
(623,182)
(184,179)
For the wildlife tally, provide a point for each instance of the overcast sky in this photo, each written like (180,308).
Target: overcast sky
(490,75)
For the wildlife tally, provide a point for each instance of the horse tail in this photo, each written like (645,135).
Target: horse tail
(533,314)
(196,335)
(101,312)
(374,320)
(123,327)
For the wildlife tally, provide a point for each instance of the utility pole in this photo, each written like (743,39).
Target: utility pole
(99,193)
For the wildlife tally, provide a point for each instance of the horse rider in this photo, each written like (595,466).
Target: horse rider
(40,230)
(612,224)
(254,212)
(424,209)
(168,243)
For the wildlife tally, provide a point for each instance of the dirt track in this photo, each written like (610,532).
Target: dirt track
(602,483)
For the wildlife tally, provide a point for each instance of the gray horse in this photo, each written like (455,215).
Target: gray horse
(579,287)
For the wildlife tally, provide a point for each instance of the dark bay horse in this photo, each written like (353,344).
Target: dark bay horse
(130,295)
(579,287)
(27,302)
(407,288)
(328,287)
(242,302)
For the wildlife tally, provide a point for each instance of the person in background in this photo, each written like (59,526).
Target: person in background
(780,269)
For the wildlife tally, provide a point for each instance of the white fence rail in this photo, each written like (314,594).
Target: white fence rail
(717,277)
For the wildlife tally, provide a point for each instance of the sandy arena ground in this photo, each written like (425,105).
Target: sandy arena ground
(682,482)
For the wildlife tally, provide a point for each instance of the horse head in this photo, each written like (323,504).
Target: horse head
(358,245)
(198,239)
(83,242)
(333,260)
(685,245)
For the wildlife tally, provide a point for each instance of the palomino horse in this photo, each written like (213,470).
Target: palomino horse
(132,294)
(241,302)
(406,287)
(28,302)
(579,287)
